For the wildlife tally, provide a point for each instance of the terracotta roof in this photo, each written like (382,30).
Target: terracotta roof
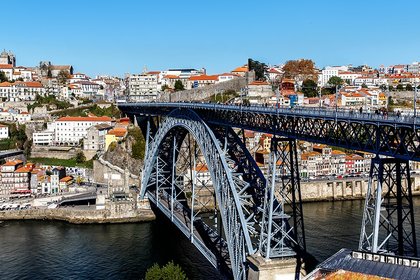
(153,72)
(66,179)
(6,66)
(13,163)
(30,84)
(84,119)
(23,169)
(241,69)
(337,152)
(118,132)
(171,77)
(201,168)
(5,84)
(229,74)
(204,78)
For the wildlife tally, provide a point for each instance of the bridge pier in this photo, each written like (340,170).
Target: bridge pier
(388,218)
(282,268)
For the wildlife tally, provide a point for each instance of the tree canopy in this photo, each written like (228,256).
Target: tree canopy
(258,67)
(301,69)
(335,81)
(170,271)
(3,77)
(179,85)
(63,76)
(309,88)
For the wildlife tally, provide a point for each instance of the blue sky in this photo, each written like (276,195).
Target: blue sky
(116,37)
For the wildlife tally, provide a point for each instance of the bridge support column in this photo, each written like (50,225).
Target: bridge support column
(283,268)
(282,228)
(388,218)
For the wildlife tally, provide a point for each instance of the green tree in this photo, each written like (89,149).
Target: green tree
(409,87)
(364,85)
(3,77)
(63,76)
(390,88)
(400,87)
(309,88)
(139,145)
(170,271)
(335,81)
(164,87)
(258,67)
(179,85)
(80,157)
(382,87)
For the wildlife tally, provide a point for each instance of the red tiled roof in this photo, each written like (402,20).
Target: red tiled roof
(118,132)
(204,78)
(13,163)
(6,66)
(66,179)
(241,69)
(171,77)
(24,169)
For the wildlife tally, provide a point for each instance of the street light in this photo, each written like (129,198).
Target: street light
(415,102)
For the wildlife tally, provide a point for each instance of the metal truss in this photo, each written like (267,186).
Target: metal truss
(282,231)
(167,159)
(394,137)
(388,218)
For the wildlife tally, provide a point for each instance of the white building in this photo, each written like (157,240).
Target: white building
(21,91)
(68,130)
(8,70)
(4,131)
(143,87)
(330,71)
(43,138)
(22,73)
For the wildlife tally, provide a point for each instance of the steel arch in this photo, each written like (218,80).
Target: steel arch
(224,179)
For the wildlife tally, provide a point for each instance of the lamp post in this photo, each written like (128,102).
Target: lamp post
(415,102)
(336,101)
(320,93)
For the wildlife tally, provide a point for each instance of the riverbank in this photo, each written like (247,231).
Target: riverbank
(75,216)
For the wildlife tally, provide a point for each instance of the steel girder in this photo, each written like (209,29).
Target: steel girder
(388,218)
(230,188)
(379,136)
(282,223)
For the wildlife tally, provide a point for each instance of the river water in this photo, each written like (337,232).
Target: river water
(58,250)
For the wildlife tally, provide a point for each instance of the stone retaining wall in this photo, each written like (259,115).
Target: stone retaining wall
(79,216)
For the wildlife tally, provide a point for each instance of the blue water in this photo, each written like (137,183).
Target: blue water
(58,250)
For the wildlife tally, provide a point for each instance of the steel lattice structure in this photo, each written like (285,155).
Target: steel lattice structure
(388,218)
(262,216)
(392,136)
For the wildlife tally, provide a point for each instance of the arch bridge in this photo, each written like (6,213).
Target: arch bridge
(199,173)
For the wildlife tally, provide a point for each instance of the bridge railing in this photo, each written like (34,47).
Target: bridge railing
(339,113)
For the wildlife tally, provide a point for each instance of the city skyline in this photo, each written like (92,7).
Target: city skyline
(101,38)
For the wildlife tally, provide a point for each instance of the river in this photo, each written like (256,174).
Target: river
(58,250)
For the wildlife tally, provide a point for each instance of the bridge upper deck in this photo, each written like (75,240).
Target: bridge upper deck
(391,135)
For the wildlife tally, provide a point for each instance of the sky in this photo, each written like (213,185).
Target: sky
(118,37)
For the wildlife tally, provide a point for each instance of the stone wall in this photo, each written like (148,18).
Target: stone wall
(38,151)
(106,173)
(343,189)
(116,215)
(198,94)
